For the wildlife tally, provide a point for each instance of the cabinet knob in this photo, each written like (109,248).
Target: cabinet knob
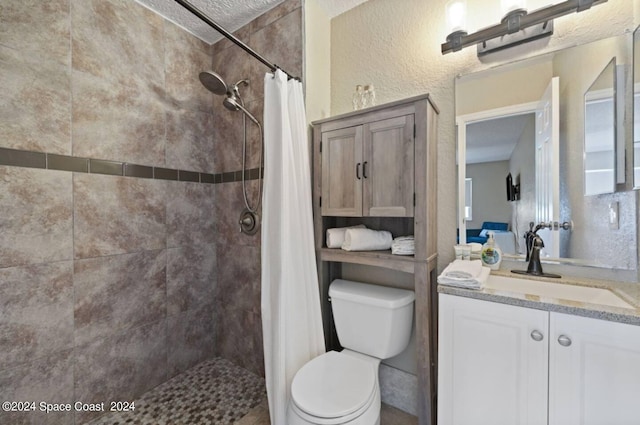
(564,340)
(537,335)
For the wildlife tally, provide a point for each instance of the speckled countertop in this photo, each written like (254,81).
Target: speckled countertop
(629,292)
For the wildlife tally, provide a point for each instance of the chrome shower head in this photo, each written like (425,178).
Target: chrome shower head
(213,82)
(233,104)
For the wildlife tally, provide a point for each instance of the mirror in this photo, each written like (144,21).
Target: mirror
(526,120)
(600,133)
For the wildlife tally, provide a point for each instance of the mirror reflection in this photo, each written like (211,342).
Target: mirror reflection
(522,141)
(600,134)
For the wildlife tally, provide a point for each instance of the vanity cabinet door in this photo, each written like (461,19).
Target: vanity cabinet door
(388,167)
(493,363)
(594,376)
(342,172)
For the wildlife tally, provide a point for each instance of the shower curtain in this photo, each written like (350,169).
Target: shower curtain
(291,318)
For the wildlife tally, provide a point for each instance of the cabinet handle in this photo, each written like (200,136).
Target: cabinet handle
(564,340)
(364,170)
(537,335)
(358,171)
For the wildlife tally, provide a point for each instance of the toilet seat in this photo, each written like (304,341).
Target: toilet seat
(334,388)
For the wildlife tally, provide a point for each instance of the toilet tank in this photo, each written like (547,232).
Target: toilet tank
(372,319)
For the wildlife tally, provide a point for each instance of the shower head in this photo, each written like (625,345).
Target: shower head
(231,103)
(214,83)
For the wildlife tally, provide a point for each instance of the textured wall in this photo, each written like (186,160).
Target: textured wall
(106,282)
(317,51)
(398,50)
(276,35)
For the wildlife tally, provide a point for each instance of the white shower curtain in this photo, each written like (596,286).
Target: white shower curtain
(291,318)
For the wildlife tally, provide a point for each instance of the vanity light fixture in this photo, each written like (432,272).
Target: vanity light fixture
(456,11)
(517,27)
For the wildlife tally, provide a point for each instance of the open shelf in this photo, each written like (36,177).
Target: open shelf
(403,263)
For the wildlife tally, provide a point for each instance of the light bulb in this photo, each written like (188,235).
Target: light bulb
(456,11)
(511,5)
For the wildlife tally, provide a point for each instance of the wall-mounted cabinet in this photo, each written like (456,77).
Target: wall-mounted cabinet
(377,167)
(368,170)
(502,364)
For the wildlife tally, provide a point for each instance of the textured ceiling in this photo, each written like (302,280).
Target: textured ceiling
(230,14)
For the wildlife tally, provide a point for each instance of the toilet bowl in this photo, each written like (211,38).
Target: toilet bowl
(336,388)
(342,388)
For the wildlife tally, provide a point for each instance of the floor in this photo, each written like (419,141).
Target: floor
(259,415)
(215,392)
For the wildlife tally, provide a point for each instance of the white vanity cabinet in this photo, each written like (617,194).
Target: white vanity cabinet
(594,375)
(502,364)
(490,369)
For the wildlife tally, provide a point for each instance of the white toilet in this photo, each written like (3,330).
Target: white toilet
(373,323)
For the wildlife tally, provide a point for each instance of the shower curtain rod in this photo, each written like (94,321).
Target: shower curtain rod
(191,8)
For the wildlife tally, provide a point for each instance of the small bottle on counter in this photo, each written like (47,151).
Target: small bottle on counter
(491,255)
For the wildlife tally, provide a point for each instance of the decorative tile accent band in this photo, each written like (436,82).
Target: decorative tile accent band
(50,161)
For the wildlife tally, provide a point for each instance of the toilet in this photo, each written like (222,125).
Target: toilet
(373,323)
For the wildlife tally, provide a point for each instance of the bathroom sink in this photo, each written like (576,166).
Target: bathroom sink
(561,291)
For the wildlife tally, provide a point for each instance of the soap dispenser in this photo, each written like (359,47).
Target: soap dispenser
(491,253)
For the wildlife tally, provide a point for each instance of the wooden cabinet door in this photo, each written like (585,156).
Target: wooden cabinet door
(491,369)
(342,172)
(594,378)
(388,169)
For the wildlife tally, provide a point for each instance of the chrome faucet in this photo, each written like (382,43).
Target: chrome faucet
(534,244)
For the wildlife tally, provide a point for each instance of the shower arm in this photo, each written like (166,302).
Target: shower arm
(191,8)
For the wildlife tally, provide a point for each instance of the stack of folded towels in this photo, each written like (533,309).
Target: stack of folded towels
(359,238)
(335,237)
(403,245)
(465,274)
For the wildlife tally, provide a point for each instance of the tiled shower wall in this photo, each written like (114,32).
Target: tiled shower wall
(106,282)
(276,35)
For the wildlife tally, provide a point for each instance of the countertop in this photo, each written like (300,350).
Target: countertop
(629,292)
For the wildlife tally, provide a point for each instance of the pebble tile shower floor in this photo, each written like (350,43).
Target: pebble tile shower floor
(215,392)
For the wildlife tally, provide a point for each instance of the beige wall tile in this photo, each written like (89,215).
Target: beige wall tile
(37,28)
(36,219)
(36,312)
(117,215)
(35,106)
(117,122)
(118,292)
(191,278)
(190,217)
(120,367)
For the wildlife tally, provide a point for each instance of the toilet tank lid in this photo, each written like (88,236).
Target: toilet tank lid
(370,294)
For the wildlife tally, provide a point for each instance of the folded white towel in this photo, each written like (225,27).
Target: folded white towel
(463,269)
(465,274)
(335,237)
(366,240)
(403,245)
